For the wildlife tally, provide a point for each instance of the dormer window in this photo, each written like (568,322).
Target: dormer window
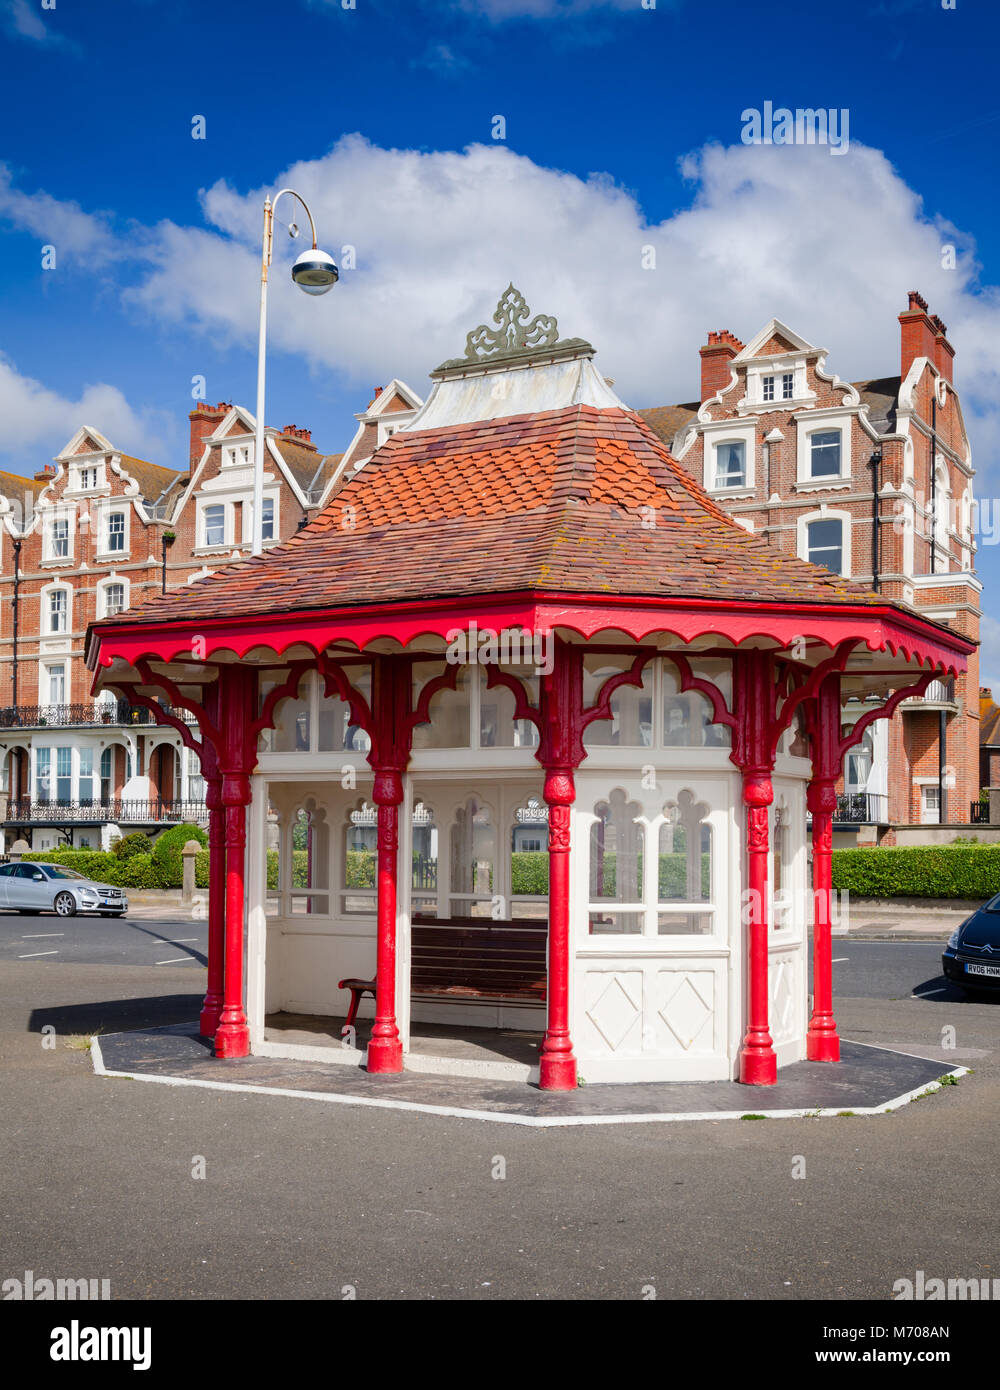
(785,384)
(237,456)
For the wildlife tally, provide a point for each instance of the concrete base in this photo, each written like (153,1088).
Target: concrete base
(867,1081)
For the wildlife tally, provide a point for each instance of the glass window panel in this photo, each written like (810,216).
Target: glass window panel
(684,923)
(824,453)
(781,916)
(424,881)
(687,716)
(529,860)
(604,922)
(685,852)
(360,858)
(116,531)
(450,710)
(631,722)
(730,464)
(616,848)
(824,539)
(497,726)
(787,385)
(215,525)
(473,856)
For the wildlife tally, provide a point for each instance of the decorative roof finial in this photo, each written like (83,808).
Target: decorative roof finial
(516,337)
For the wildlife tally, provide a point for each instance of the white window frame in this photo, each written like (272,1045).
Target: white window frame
(729,432)
(106,532)
(47,669)
(63,515)
(823,422)
(827,514)
(275,499)
(758,372)
(45,596)
(227,524)
(238,454)
(102,594)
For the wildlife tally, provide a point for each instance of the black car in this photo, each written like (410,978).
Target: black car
(971,958)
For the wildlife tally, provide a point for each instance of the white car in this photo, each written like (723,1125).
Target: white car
(55,888)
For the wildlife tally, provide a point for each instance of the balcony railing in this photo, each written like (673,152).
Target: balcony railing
(76,716)
(937,693)
(117,812)
(862,808)
(979,813)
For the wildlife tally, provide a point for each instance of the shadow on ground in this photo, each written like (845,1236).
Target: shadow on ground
(939,990)
(117,1015)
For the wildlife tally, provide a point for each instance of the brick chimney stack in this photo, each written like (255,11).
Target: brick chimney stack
(46,473)
(716,356)
(923,336)
(205,420)
(301,437)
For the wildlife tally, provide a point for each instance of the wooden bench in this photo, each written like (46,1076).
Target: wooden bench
(467,961)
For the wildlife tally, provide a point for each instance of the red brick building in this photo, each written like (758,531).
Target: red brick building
(94,534)
(874,480)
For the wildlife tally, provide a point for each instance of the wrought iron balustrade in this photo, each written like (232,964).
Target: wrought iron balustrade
(979,813)
(120,811)
(862,808)
(91,712)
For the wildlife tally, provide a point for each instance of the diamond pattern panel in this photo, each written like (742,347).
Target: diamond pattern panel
(782,990)
(687,1009)
(616,1007)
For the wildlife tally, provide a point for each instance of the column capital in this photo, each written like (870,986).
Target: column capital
(387,789)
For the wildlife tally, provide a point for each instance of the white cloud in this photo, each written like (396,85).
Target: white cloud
(64,225)
(40,420)
(25,21)
(829,245)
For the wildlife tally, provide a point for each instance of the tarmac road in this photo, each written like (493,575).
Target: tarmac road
(301,1200)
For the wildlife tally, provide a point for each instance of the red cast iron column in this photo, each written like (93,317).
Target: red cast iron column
(557,1065)
(236,697)
(754,705)
(822,1042)
(385,1048)
(212,1006)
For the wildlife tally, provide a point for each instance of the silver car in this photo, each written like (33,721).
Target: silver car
(55,888)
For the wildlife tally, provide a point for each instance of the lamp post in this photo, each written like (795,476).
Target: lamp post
(315,273)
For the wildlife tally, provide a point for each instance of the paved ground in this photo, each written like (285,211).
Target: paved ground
(300,1200)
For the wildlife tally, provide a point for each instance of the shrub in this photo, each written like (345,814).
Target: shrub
(918,871)
(201,869)
(127,845)
(139,871)
(529,872)
(167,855)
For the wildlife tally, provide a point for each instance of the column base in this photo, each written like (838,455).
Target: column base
(385,1055)
(208,1023)
(557,1073)
(232,1040)
(822,1043)
(758,1067)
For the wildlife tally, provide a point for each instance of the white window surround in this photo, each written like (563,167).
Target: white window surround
(760,368)
(823,422)
(45,598)
(50,675)
(65,517)
(825,514)
(204,505)
(272,495)
(87,476)
(106,584)
(105,514)
(730,432)
(238,454)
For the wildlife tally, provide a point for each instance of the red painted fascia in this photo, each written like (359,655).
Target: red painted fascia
(585,614)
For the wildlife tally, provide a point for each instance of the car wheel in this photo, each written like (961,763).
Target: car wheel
(65,905)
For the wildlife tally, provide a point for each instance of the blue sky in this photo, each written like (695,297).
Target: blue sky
(622,131)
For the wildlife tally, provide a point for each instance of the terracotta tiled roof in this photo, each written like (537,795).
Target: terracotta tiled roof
(666,420)
(579,500)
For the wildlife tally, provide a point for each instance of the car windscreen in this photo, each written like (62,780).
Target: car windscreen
(57,871)
(993,905)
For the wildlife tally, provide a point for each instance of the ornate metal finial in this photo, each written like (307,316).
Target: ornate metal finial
(514,333)
(516,336)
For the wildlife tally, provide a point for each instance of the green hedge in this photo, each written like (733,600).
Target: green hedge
(137,871)
(918,871)
(167,852)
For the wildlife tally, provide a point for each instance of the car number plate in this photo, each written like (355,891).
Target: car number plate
(971,969)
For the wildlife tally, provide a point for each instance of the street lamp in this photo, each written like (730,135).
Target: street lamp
(315,273)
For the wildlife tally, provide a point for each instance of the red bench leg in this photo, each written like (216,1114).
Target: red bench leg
(357,994)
